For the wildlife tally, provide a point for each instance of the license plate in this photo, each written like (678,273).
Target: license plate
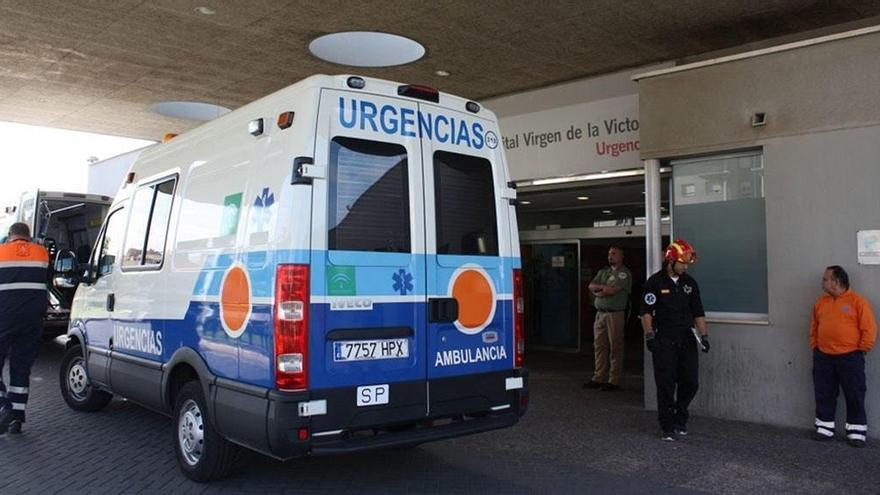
(372,395)
(366,350)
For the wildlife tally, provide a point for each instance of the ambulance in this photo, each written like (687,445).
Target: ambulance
(331,269)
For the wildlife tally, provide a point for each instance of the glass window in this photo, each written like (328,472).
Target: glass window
(464,205)
(137,227)
(369,196)
(210,210)
(110,244)
(159,223)
(148,225)
(724,218)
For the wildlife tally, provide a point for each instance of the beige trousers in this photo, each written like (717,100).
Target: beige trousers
(608,340)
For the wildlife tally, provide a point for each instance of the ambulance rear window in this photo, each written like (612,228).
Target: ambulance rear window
(369,196)
(465,205)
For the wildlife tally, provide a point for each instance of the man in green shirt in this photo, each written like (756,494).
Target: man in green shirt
(611,288)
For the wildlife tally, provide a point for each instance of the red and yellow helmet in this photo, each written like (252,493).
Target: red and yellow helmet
(681,252)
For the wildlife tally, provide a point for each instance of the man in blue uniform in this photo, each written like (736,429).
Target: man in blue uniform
(23,303)
(674,325)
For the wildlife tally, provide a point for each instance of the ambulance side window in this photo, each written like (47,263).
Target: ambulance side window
(148,225)
(464,205)
(369,196)
(111,242)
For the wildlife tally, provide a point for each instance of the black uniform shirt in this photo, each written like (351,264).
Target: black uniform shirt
(672,305)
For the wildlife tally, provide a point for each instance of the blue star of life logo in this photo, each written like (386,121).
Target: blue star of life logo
(265,199)
(262,217)
(402,282)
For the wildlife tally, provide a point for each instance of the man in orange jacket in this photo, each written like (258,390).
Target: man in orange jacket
(23,303)
(842,331)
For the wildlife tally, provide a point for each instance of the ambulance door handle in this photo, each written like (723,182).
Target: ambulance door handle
(111,301)
(442,310)
(305,171)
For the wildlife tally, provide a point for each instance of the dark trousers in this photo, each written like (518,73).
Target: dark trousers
(20,337)
(676,373)
(832,372)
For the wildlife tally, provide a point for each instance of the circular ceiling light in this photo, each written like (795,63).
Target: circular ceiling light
(192,110)
(366,49)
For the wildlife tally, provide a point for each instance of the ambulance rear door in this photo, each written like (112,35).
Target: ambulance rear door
(27,209)
(470,328)
(367,322)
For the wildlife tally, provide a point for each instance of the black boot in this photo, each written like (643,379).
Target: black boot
(6,419)
(8,422)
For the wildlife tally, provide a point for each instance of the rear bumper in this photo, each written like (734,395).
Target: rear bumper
(415,436)
(459,406)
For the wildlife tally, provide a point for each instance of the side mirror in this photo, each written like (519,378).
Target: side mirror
(66,272)
(65,262)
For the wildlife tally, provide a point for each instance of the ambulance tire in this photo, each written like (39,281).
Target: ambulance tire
(202,454)
(75,386)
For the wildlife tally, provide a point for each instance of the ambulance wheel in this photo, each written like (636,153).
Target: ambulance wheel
(202,453)
(75,386)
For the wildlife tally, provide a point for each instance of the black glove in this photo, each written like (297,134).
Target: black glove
(704,342)
(650,342)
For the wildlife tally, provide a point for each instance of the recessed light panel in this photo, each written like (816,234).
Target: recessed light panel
(366,49)
(192,110)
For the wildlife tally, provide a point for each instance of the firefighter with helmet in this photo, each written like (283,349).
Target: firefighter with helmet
(675,326)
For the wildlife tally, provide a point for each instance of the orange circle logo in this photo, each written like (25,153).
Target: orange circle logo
(474,292)
(235,300)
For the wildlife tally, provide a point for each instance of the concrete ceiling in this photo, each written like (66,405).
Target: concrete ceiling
(97,65)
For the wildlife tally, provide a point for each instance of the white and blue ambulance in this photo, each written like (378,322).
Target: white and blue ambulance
(330,269)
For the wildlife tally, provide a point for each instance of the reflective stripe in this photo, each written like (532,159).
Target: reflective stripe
(326,433)
(824,431)
(17,406)
(856,436)
(24,264)
(826,424)
(850,427)
(23,285)
(17,390)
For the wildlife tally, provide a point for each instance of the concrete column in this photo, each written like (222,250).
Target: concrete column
(654,260)
(652,216)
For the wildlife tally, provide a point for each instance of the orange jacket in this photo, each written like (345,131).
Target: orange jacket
(23,273)
(843,324)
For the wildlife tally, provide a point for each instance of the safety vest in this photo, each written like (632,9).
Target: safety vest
(24,268)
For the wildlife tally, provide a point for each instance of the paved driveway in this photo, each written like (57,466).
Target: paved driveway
(571,441)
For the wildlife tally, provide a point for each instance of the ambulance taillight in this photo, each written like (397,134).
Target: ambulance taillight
(292,327)
(519,311)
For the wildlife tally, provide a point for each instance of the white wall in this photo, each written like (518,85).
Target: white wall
(575,128)
(106,176)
